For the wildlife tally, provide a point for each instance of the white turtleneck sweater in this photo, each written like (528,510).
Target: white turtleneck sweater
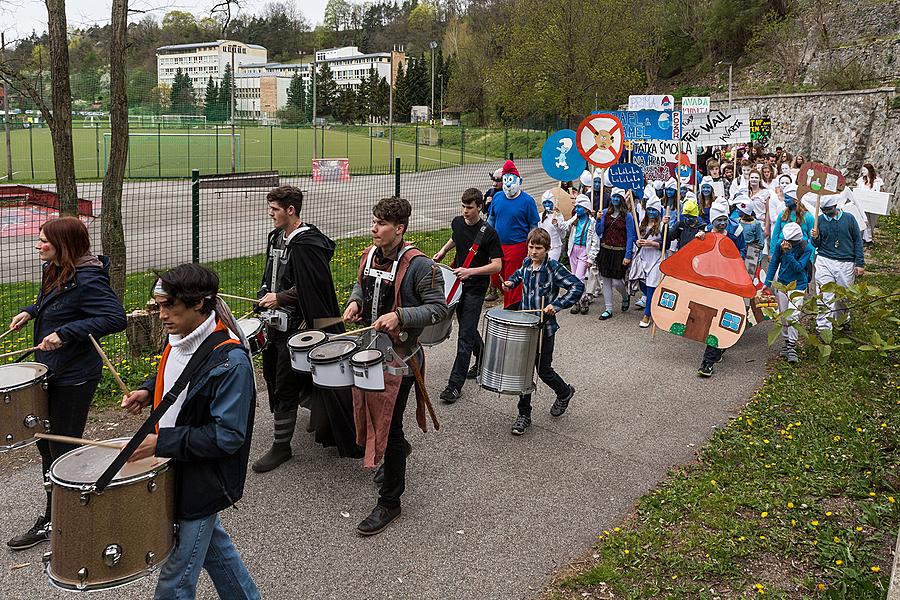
(183,347)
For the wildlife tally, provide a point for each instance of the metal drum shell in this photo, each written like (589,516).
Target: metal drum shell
(299,346)
(368,370)
(331,369)
(137,513)
(256,334)
(19,401)
(510,347)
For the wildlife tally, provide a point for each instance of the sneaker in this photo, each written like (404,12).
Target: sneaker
(39,533)
(645,322)
(576,308)
(380,518)
(492,296)
(585,306)
(277,454)
(705,370)
(521,424)
(473,372)
(562,403)
(450,394)
(642,303)
(605,315)
(626,303)
(721,357)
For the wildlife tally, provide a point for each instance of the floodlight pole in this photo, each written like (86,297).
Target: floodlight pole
(9,171)
(313,70)
(433,46)
(233,100)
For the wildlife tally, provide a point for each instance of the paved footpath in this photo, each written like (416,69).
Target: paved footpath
(485,514)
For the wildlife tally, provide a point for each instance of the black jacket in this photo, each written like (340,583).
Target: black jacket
(211,438)
(85,304)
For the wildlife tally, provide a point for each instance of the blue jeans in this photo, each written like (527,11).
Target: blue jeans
(203,543)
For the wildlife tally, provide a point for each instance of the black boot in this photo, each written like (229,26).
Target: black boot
(277,454)
(40,532)
(380,518)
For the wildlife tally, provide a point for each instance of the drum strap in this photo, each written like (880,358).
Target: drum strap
(473,250)
(215,339)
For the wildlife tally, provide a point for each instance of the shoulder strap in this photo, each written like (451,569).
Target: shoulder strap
(213,341)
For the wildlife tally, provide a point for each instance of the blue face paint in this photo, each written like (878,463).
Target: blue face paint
(659,193)
(670,193)
(706,189)
(615,200)
(580,211)
(790,202)
(548,205)
(720,222)
(652,213)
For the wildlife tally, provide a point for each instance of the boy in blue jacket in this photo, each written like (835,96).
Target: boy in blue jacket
(790,259)
(541,278)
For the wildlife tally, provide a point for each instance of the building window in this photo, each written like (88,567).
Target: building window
(668,299)
(731,321)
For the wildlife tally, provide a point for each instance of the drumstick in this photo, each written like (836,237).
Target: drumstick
(252,300)
(6,333)
(354,332)
(109,366)
(65,439)
(8,354)
(245,316)
(324,322)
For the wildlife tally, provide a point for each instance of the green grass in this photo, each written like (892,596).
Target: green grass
(238,276)
(795,498)
(174,152)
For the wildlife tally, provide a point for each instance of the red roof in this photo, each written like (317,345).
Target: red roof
(713,262)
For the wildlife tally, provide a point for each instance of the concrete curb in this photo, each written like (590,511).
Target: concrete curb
(894,586)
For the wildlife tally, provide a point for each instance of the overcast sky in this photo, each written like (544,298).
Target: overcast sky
(19,18)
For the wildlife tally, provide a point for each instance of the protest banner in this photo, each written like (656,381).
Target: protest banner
(872,201)
(760,129)
(560,157)
(694,105)
(651,102)
(331,169)
(647,124)
(717,128)
(600,139)
(626,176)
(661,159)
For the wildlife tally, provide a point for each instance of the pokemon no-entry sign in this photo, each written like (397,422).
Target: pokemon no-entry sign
(600,139)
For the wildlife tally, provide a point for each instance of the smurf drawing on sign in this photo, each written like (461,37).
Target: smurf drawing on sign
(565,144)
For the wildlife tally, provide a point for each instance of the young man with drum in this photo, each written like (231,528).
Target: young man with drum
(206,431)
(399,293)
(478,255)
(297,288)
(75,299)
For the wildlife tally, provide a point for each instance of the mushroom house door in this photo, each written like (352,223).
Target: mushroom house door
(699,321)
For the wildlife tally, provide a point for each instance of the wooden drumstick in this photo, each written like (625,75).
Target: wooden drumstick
(245,299)
(65,439)
(6,333)
(8,354)
(109,366)
(354,332)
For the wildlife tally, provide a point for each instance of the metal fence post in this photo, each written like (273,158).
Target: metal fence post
(31,147)
(397,177)
(462,144)
(511,156)
(217,148)
(97,144)
(417,146)
(159,149)
(505,141)
(370,149)
(189,147)
(195,215)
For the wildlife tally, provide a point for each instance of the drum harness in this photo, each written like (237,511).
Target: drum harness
(277,318)
(473,250)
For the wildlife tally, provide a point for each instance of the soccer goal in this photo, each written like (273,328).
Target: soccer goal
(173,154)
(179,121)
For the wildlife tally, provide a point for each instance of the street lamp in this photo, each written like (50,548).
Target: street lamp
(432,45)
(441,108)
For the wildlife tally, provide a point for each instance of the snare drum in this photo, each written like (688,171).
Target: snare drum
(255,330)
(330,363)
(299,346)
(440,331)
(102,541)
(368,370)
(23,404)
(510,348)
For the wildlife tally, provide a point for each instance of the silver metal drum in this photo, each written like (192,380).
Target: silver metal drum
(510,347)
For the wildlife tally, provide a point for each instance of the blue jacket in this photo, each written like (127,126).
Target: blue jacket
(806,226)
(753,233)
(630,232)
(794,265)
(735,233)
(541,288)
(839,239)
(211,437)
(85,304)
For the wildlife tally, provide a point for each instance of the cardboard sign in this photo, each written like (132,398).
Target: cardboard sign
(694,105)
(760,129)
(818,179)
(872,201)
(331,169)
(637,102)
(626,176)
(659,159)
(717,128)
(564,202)
(560,157)
(601,139)
(647,124)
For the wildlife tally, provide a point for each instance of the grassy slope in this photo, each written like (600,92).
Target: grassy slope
(795,498)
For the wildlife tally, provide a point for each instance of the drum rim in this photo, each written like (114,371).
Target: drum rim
(262,324)
(367,363)
(458,294)
(307,346)
(335,359)
(111,585)
(149,474)
(39,379)
(496,319)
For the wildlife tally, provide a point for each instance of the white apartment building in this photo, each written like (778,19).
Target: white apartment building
(259,95)
(349,65)
(200,61)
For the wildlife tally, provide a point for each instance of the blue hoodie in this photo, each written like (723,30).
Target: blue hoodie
(735,233)
(794,265)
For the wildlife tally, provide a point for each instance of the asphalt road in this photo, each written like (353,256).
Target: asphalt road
(486,514)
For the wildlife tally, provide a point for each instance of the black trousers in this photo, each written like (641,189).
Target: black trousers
(395,454)
(69,405)
(283,382)
(546,374)
(712,354)
(468,313)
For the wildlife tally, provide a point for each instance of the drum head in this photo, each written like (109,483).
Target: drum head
(333,351)
(20,374)
(85,465)
(513,317)
(250,325)
(306,339)
(367,358)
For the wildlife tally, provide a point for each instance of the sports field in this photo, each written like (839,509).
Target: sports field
(173,152)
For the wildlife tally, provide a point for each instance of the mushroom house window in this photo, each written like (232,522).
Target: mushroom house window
(668,299)
(731,321)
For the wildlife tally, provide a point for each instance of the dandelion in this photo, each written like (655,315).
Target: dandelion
(712,482)
(790,505)
(871,494)
(838,562)
(828,513)
(764,514)
(837,540)
(859,528)
(876,569)
(814,523)
(891,499)
(821,586)
(836,438)
(793,522)
(616,529)
(627,551)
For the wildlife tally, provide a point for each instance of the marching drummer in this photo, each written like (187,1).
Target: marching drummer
(399,293)
(75,299)
(542,278)
(207,430)
(478,255)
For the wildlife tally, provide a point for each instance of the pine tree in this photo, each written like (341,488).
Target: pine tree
(380,97)
(225,95)
(402,105)
(326,90)
(182,94)
(296,93)
(211,100)
(346,106)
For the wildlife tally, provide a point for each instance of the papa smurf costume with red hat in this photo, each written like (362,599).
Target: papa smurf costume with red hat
(513,214)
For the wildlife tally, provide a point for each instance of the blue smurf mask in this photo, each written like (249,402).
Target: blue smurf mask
(580,211)
(615,200)
(652,213)
(597,184)
(683,191)
(706,189)
(548,205)
(790,202)
(670,193)
(659,193)
(720,222)
(512,184)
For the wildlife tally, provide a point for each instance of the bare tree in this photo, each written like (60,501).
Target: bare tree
(112,231)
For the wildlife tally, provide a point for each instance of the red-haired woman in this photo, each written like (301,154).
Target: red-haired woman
(75,300)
